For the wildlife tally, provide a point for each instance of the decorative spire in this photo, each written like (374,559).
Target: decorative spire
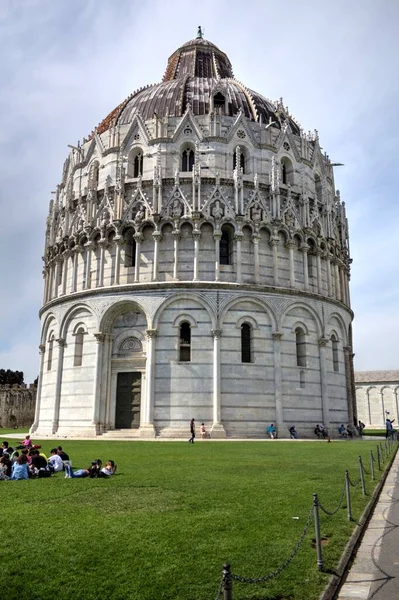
(200,33)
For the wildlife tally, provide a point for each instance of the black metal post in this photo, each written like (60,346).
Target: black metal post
(348,496)
(362,475)
(372,465)
(317,533)
(378,457)
(227,583)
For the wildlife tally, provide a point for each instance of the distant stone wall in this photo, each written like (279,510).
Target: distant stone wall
(17,405)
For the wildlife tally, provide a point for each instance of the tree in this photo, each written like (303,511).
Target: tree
(11,377)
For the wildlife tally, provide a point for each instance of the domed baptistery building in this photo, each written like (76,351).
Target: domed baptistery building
(196,266)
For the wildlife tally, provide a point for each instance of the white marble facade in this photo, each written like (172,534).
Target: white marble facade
(377,397)
(204,251)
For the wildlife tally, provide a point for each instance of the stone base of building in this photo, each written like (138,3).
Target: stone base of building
(218,431)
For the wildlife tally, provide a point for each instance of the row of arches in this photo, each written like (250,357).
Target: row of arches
(179,343)
(135,165)
(144,255)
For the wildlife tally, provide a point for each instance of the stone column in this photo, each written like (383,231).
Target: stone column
(196,236)
(57,275)
(138,238)
(103,245)
(217,430)
(319,275)
(304,249)
(146,418)
(87,276)
(75,269)
(274,244)
(395,391)
(255,240)
(368,404)
(100,338)
(291,245)
(278,391)
(64,273)
(323,381)
(217,236)
(350,394)
(337,282)
(46,279)
(156,237)
(57,398)
(42,350)
(327,256)
(176,237)
(382,406)
(105,395)
(238,239)
(119,241)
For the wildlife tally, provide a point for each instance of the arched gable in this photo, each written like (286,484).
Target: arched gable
(183,296)
(312,312)
(268,310)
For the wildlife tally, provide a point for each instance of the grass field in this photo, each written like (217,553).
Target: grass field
(174,513)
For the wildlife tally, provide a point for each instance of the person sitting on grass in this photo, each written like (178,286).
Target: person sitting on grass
(20,469)
(271,430)
(3,468)
(55,461)
(26,443)
(293,433)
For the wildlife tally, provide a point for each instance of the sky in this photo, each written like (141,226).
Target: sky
(65,64)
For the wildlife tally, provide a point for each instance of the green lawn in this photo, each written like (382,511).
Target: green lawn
(174,513)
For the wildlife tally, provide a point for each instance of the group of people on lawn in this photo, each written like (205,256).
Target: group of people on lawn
(31,462)
(320,431)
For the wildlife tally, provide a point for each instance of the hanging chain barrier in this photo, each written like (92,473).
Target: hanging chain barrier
(225,591)
(285,564)
(333,512)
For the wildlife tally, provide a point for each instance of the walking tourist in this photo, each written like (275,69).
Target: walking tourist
(192,431)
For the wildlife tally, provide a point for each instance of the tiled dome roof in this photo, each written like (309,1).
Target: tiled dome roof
(192,74)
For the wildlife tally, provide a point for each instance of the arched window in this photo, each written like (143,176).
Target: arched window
(50,352)
(130,249)
(185,342)
(187,160)
(245,343)
(287,171)
(94,175)
(334,343)
(78,354)
(219,104)
(284,173)
(242,161)
(138,165)
(300,342)
(225,247)
(311,257)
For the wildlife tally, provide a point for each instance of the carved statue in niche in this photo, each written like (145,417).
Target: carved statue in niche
(289,219)
(256,213)
(176,208)
(317,227)
(105,218)
(140,214)
(217,211)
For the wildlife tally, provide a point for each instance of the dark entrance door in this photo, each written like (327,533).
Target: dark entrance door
(128,397)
